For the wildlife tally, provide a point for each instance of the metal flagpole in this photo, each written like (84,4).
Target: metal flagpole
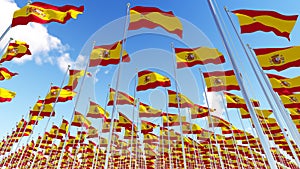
(178,105)
(287,119)
(262,137)
(74,110)
(133,113)
(117,87)
(208,106)
(267,96)
(5,32)
(5,46)
(191,128)
(169,144)
(56,99)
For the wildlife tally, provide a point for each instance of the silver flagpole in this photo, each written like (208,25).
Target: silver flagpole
(5,46)
(262,137)
(178,105)
(5,32)
(169,144)
(117,88)
(278,118)
(208,106)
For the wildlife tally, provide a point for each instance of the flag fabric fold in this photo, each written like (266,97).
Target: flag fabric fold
(43,13)
(151,17)
(266,21)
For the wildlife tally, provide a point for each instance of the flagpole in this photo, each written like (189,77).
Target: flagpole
(266,147)
(5,32)
(178,105)
(282,110)
(117,87)
(74,109)
(5,46)
(191,128)
(133,113)
(208,106)
(169,144)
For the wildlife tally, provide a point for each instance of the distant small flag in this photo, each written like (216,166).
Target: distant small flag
(40,12)
(6,95)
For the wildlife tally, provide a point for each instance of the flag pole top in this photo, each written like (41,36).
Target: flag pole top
(11,38)
(29,2)
(226,9)
(128,4)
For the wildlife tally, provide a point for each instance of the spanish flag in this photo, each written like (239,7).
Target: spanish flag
(150,80)
(172,119)
(183,100)
(62,95)
(198,111)
(266,21)
(74,75)
(64,127)
(6,95)
(40,12)
(42,109)
(129,133)
(219,80)
(54,133)
(260,113)
(235,101)
(217,121)
(108,54)
(15,50)
(106,126)
(150,138)
(295,113)
(151,17)
(122,98)
(148,111)
(92,132)
(189,57)
(278,58)
(283,85)
(5,74)
(190,128)
(124,121)
(80,120)
(96,111)
(147,127)
(291,101)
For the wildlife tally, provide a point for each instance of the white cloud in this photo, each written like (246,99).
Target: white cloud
(64,60)
(215,102)
(41,43)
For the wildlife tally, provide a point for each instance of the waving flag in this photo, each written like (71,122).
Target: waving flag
(187,57)
(147,127)
(42,109)
(96,111)
(235,101)
(108,54)
(15,50)
(64,127)
(150,80)
(5,74)
(80,120)
(260,113)
(217,121)
(174,98)
(198,111)
(106,126)
(291,101)
(151,17)
(148,111)
(40,12)
(266,21)
(190,128)
(74,75)
(92,132)
(62,95)
(122,98)
(283,85)
(124,121)
(6,95)
(172,119)
(221,80)
(278,58)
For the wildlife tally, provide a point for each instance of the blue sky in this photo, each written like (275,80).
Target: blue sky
(55,45)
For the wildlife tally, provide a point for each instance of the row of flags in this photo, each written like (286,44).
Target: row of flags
(149,153)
